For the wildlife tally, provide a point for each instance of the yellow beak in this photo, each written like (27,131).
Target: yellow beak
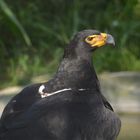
(100,40)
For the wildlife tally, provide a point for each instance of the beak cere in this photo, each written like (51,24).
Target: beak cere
(100,40)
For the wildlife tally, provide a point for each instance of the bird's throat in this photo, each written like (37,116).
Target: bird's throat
(77,73)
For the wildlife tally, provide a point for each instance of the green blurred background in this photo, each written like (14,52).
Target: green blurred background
(34,33)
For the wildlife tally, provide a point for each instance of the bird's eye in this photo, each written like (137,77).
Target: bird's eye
(90,38)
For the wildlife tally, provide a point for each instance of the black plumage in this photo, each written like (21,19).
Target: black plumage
(78,112)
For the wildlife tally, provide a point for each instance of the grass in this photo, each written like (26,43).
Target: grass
(33,35)
(130,126)
(130,131)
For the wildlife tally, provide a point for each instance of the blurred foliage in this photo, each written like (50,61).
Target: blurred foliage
(33,34)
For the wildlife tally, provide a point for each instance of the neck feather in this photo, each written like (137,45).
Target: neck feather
(75,71)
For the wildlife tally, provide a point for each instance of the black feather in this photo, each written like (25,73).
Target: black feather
(68,115)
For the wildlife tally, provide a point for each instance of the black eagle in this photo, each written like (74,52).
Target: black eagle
(68,107)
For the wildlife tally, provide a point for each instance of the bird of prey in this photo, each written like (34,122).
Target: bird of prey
(70,106)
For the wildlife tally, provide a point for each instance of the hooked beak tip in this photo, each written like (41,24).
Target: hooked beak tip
(110,40)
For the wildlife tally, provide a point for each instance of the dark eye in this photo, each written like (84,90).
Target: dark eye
(90,38)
